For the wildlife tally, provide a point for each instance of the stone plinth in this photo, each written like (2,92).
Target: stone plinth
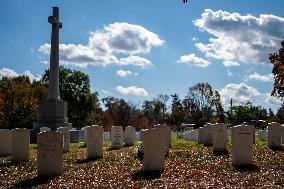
(220,137)
(116,137)
(274,135)
(94,141)
(153,148)
(50,153)
(129,135)
(5,142)
(20,144)
(52,114)
(242,145)
(66,138)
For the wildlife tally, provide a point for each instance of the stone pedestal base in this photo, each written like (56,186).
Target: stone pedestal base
(52,113)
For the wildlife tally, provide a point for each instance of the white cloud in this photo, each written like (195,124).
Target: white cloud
(132,90)
(192,59)
(6,72)
(240,38)
(106,44)
(272,100)
(106,92)
(124,73)
(228,63)
(31,76)
(264,78)
(240,93)
(136,60)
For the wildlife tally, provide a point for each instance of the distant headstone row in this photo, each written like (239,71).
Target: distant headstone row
(242,138)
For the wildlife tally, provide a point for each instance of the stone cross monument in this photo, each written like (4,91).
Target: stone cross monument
(53,111)
(53,87)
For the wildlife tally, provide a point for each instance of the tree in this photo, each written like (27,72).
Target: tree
(74,87)
(277,59)
(177,116)
(118,110)
(19,100)
(280,114)
(155,110)
(202,104)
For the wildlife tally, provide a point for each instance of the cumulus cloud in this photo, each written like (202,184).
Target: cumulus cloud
(240,93)
(124,73)
(6,72)
(258,77)
(192,59)
(106,44)
(239,38)
(132,90)
(230,63)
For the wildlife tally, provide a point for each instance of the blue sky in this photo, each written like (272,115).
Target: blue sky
(138,49)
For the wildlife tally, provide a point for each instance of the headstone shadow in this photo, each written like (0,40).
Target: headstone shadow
(4,155)
(9,164)
(87,160)
(220,153)
(281,148)
(32,182)
(146,175)
(247,168)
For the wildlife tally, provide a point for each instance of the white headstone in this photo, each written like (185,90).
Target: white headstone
(5,142)
(242,143)
(44,129)
(220,137)
(200,135)
(153,148)
(50,153)
(20,144)
(129,135)
(167,133)
(66,138)
(208,130)
(106,136)
(95,141)
(116,137)
(137,136)
(85,133)
(274,135)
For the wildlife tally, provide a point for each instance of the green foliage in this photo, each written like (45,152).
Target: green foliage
(74,87)
(244,113)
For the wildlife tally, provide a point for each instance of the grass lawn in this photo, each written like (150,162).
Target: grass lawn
(189,165)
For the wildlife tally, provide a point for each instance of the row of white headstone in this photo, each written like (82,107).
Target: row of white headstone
(242,137)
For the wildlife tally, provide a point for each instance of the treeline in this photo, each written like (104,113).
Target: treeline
(20,99)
